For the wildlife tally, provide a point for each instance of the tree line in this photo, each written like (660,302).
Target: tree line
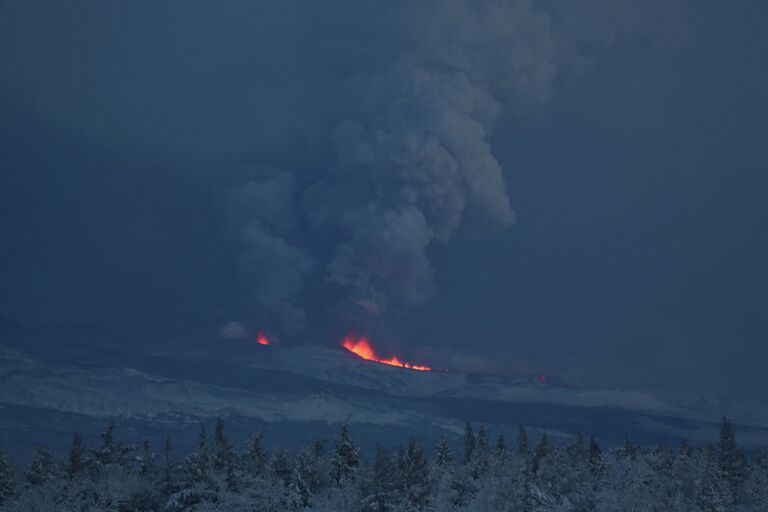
(487,475)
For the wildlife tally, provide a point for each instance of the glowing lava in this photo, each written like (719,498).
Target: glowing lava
(362,347)
(261,339)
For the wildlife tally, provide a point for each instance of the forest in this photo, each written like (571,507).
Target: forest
(488,474)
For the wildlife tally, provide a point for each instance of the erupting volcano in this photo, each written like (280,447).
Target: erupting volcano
(261,339)
(362,348)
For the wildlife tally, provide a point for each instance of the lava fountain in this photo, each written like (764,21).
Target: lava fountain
(363,348)
(261,339)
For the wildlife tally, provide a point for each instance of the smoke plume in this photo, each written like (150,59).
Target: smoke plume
(410,154)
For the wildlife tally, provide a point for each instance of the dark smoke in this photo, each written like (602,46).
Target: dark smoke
(411,158)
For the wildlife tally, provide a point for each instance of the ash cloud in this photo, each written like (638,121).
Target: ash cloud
(369,122)
(411,155)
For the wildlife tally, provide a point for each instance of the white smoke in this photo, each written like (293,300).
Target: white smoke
(233,330)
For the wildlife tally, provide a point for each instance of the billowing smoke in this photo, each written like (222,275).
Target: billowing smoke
(262,214)
(411,159)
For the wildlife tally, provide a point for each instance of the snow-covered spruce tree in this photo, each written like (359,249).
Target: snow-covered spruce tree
(448,482)
(116,477)
(43,467)
(254,460)
(413,476)
(196,485)
(502,454)
(198,463)
(469,443)
(281,467)
(552,479)
(629,449)
(733,462)
(595,455)
(345,461)
(443,454)
(480,460)
(110,452)
(522,442)
(572,475)
(755,491)
(171,474)
(629,484)
(715,493)
(379,489)
(119,488)
(223,452)
(7,478)
(540,451)
(224,459)
(682,483)
(147,465)
(310,475)
(76,461)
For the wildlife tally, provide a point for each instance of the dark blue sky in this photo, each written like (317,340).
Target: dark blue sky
(637,175)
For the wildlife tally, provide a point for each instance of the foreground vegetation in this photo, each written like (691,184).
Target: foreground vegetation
(488,476)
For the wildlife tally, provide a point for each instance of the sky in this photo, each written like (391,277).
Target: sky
(521,186)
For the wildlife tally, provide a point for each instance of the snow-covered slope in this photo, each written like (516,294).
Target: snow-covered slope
(299,393)
(130,393)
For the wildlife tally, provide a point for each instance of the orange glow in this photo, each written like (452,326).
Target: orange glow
(261,339)
(362,347)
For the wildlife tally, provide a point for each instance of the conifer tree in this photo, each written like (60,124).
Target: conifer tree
(111,452)
(167,451)
(522,442)
(540,451)
(380,491)
(7,478)
(346,459)
(731,458)
(542,447)
(223,452)
(469,443)
(480,460)
(147,460)
(685,449)
(43,467)
(169,483)
(501,446)
(414,475)
(716,494)
(629,450)
(255,457)
(595,455)
(443,455)
(482,439)
(309,474)
(76,460)
(198,462)
(280,467)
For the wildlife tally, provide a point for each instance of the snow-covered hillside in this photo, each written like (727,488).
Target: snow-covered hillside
(295,392)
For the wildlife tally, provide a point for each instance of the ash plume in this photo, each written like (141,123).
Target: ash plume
(410,154)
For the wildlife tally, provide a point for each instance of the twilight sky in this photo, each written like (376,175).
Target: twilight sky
(567,187)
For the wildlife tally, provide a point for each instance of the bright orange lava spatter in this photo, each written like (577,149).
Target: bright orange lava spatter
(362,347)
(261,339)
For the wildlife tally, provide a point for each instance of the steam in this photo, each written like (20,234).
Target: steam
(233,331)
(411,159)
(262,210)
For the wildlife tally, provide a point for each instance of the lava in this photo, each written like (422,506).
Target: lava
(261,339)
(362,348)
